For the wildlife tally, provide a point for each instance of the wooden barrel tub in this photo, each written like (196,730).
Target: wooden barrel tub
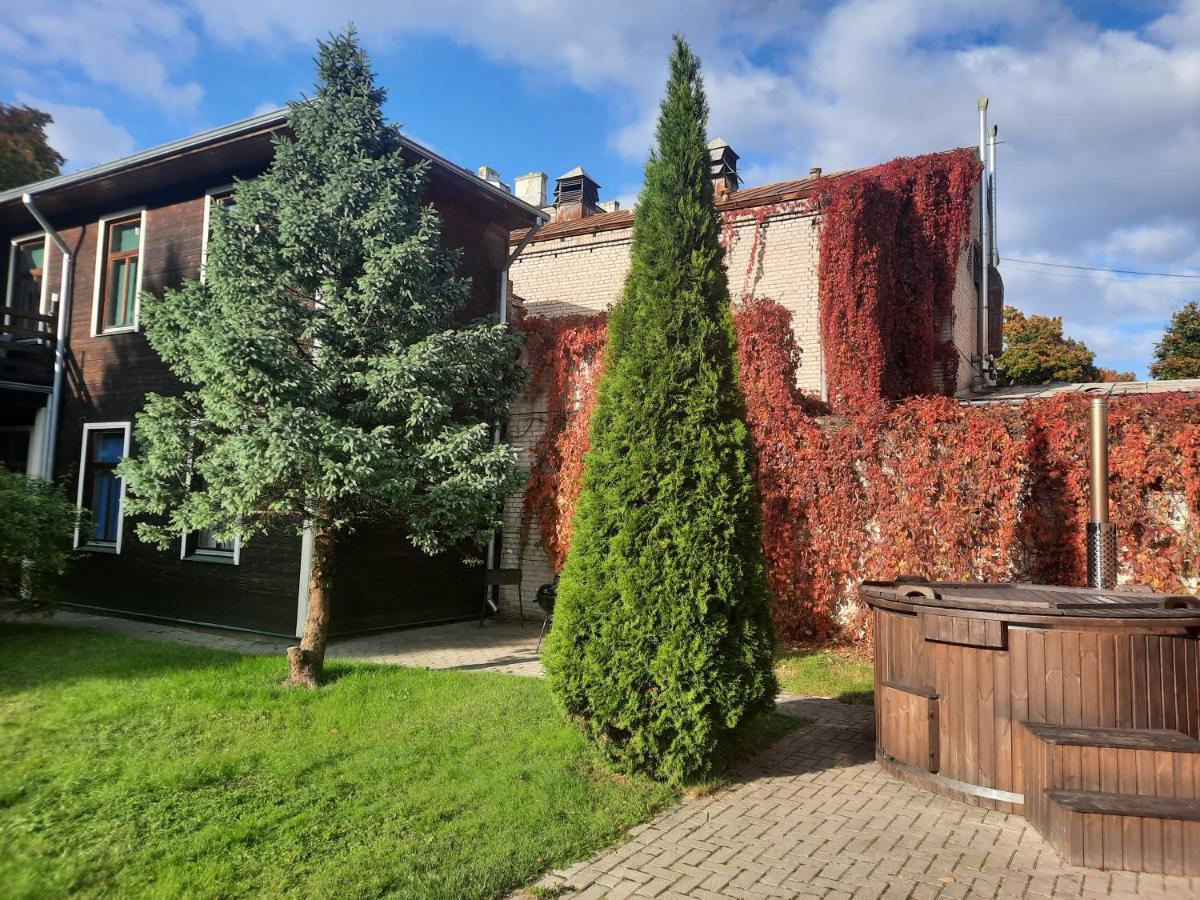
(1071,706)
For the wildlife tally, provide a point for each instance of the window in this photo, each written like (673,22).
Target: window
(118,273)
(214,201)
(203,546)
(14,447)
(100,488)
(26,276)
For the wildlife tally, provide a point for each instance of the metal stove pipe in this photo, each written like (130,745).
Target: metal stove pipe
(1101,535)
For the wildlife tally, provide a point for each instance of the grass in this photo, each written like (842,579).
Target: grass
(839,672)
(132,768)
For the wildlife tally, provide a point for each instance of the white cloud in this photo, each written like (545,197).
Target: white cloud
(130,46)
(83,134)
(1100,126)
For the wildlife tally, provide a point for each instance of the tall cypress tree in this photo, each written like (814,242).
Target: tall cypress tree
(662,638)
(330,380)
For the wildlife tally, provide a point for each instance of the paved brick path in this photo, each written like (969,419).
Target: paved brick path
(813,816)
(497,646)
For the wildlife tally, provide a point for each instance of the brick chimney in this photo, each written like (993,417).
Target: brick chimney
(723,166)
(491,176)
(531,188)
(576,195)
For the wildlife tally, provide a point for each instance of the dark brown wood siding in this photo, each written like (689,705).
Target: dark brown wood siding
(382,580)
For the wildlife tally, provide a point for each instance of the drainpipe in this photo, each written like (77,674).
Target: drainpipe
(985,249)
(503,292)
(63,316)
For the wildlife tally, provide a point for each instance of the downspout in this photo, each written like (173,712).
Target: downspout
(503,309)
(63,317)
(985,249)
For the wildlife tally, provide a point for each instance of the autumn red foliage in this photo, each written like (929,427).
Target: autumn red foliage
(925,486)
(564,355)
(891,239)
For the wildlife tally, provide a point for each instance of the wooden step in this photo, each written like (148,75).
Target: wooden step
(1116,798)
(1115,738)
(1120,831)
(1106,804)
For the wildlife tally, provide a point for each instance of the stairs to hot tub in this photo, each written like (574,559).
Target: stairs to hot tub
(1115,798)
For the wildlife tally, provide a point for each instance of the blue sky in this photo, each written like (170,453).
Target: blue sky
(1098,103)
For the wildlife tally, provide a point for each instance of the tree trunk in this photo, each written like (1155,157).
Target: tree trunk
(306,663)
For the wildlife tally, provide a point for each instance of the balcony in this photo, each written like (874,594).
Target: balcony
(26,347)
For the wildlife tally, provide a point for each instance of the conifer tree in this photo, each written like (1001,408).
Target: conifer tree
(1177,355)
(329,382)
(662,638)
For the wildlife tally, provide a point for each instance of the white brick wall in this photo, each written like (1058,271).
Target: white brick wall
(585,273)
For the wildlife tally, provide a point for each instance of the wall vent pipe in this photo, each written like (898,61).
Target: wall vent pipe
(1101,535)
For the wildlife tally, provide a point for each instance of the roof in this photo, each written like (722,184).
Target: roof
(265,124)
(1019,393)
(763,195)
(576,173)
(777,192)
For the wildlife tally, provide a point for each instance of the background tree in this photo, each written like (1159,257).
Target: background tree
(330,383)
(36,523)
(1035,351)
(1177,355)
(1112,375)
(25,154)
(662,636)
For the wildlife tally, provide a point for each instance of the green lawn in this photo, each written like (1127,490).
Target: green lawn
(836,673)
(133,768)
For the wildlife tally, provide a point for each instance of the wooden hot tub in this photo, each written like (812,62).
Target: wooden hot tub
(1072,706)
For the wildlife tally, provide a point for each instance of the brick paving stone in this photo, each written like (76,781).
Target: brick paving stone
(496,647)
(815,816)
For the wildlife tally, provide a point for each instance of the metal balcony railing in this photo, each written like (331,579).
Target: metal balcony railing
(26,346)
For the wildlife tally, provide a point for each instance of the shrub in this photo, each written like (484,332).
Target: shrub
(36,523)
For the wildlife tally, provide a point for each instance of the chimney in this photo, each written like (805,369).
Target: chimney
(609,205)
(491,176)
(532,188)
(723,166)
(1101,535)
(576,195)
(814,172)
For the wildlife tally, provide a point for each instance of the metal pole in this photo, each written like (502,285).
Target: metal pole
(62,325)
(992,206)
(1101,535)
(985,249)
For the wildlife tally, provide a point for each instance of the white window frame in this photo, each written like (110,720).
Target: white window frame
(88,428)
(208,205)
(101,258)
(12,270)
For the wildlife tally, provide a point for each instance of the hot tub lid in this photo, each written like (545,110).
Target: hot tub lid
(1127,601)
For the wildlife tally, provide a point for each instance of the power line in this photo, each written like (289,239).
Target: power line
(1017,267)
(1034,262)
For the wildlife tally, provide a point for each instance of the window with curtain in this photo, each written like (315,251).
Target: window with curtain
(121,272)
(102,486)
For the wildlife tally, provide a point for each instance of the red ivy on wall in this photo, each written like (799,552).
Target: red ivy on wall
(891,239)
(564,354)
(926,486)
